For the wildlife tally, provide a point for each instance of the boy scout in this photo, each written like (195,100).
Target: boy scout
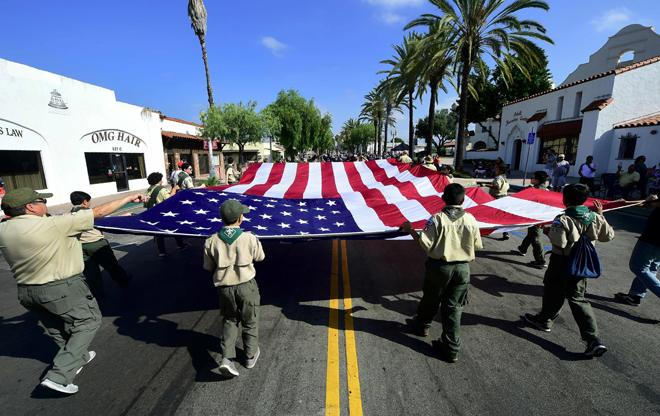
(499,186)
(230,254)
(184,180)
(154,195)
(97,252)
(450,239)
(232,174)
(564,233)
(535,232)
(46,259)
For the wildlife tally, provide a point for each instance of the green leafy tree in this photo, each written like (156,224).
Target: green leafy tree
(271,124)
(444,128)
(470,29)
(345,134)
(361,136)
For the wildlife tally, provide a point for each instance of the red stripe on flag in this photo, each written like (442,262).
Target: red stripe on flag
(249,174)
(274,178)
(297,188)
(498,217)
(478,195)
(438,180)
(328,186)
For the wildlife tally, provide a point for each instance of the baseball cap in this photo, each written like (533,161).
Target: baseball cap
(562,155)
(231,210)
(21,196)
(180,163)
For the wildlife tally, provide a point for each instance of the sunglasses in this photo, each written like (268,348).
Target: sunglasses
(39,201)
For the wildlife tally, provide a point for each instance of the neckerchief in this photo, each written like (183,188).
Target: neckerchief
(230,234)
(581,214)
(453,212)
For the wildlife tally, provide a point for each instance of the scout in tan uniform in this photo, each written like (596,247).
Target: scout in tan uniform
(450,239)
(557,286)
(233,174)
(46,259)
(97,252)
(230,255)
(499,187)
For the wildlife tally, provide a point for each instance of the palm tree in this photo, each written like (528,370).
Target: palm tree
(393,99)
(474,28)
(372,110)
(346,129)
(197,14)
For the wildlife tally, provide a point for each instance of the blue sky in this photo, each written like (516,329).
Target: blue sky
(147,53)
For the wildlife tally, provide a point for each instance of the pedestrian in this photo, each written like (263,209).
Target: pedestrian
(640,167)
(549,159)
(233,175)
(559,171)
(174,177)
(564,232)
(428,163)
(645,258)
(449,238)
(404,158)
(499,187)
(155,194)
(97,252)
(587,171)
(627,182)
(653,175)
(46,260)
(534,235)
(230,255)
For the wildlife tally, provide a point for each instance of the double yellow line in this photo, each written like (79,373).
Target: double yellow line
(332,402)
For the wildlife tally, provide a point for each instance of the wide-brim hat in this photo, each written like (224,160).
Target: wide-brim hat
(428,159)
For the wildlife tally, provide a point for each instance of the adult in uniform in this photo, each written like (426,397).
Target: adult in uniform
(46,259)
(97,252)
(404,158)
(428,163)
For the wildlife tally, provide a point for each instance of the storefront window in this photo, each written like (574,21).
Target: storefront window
(101,169)
(561,145)
(21,169)
(203,163)
(135,166)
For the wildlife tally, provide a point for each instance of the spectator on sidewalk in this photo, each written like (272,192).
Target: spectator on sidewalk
(645,259)
(97,252)
(175,173)
(549,159)
(587,171)
(428,163)
(534,235)
(640,167)
(653,176)
(404,158)
(627,182)
(559,172)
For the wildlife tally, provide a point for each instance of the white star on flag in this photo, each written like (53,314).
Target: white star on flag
(259,227)
(286,205)
(186,222)
(286,214)
(318,209)
(201,228)
(320,217)
(257,200)
(213,200)
(336,212)
(325,229)
(339,224)
(269,206)
(272,200)
(283,225)
(331,202)
(302,221)
(201,211)
(198,193)
(302,210)
(170,214)
(303,233)
(246,219)
(170,231)
(150,223)
(187,202)
(251,207)
(302,204)
(215,219)
(223,194)
(266,216)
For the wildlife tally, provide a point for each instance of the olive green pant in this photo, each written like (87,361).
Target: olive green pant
(446,284)
(240,303)
(556,287)
(535,239)
(70,314)
(99,253)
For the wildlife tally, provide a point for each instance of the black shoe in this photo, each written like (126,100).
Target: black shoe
(631,300)
(533,319)
(537,263)
(520,251)
(184,247)
(506,236)
(450,357)
(595,349)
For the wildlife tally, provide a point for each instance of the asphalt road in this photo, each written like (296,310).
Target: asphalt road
(157,347)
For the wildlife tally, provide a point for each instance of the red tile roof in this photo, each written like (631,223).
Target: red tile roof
(645,122)
(172,134)
(537,117)
(598,105)
(453,143)
(601,75)
(162,117)
(565,128)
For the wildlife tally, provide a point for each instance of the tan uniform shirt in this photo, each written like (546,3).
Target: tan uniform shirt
(451,241)
(187,183)
(565,231)
(405,159)
(91,236)
(430,166)
(499,181)
(231,175)
(232,264)
(44,249)
(162,195)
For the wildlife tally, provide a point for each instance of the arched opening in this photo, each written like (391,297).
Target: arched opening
(626,58)
(479,145)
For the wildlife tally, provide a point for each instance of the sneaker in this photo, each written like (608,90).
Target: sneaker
(505,236)
(227,368)
(69,389)
(162,256)
(250,362)
(533,319)
(421,330)
(92,354)
(184,247)
(595,349)
(452,358)
(521,252)
(631,300)
(537,263)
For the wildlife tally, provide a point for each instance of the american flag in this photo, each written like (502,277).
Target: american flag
(308,201)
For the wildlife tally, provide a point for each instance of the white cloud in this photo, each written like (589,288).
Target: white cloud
(395,3)
(274,45)
(390,18)
(613,19)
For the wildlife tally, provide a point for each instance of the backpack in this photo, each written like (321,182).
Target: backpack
(583,262)
(153,197)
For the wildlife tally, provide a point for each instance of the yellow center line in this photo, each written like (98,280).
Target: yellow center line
(332,377)
(354,394)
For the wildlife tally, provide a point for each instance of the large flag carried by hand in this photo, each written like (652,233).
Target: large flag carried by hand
(308,201)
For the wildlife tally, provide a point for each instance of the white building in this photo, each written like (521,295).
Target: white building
(608,108)
(486,135)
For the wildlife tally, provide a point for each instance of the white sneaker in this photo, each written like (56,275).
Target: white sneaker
(92,354)
(227,368)
(250,362)
(70,389)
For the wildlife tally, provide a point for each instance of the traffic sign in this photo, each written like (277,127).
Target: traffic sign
(530,138)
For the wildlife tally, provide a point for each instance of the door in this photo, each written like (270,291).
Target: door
(119,170)
(518,151)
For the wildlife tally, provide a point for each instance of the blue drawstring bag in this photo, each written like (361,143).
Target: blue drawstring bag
(583,262)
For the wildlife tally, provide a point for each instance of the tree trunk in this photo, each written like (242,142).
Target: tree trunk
(206,66)
(462,113)
(411,125)
(376,123)
(429,140)
(380,131)
(387,119)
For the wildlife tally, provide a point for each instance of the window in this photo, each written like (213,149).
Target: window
(627,146)
(135,166)
(578,104)
(21,169)
(561,145)
(100,167)
(203,163)
(560,106)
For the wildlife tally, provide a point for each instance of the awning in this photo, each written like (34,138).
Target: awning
(399,147)
(537,117)
(564,128)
